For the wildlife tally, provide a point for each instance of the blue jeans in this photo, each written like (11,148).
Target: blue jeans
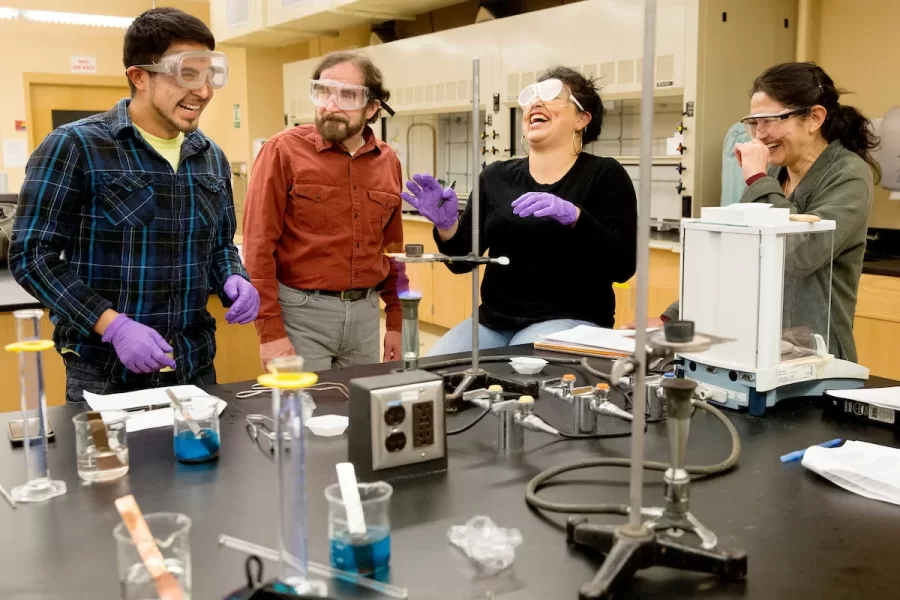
(82,376)
(459,339)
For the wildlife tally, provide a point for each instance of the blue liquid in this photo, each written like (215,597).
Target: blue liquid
(191,449)
(370,558)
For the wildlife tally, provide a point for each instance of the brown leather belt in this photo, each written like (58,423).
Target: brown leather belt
(348,295)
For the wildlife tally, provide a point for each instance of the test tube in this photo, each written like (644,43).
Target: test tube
(39,486)
(287,380)
(409,303)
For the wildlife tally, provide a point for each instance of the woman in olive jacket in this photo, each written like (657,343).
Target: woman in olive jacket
(812,155)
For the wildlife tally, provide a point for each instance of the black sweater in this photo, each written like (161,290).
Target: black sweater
(555,271)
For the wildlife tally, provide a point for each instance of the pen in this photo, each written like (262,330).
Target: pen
(442,200)
(147,408)
(798,454)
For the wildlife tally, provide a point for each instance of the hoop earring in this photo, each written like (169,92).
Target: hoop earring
(524,145)
(580,135)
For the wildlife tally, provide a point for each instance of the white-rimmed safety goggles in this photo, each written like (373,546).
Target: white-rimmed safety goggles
(769,122)
(192,70)
(548,91)
(345,96)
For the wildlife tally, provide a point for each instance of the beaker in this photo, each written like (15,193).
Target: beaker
(197,447)
(287,381)
(368,554)
(101,445)
(39,486)
(171,533)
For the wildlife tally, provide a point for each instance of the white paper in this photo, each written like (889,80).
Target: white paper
(894,196)
(888,397)
(148,419)
(595,337)
(15,153)
(869,470)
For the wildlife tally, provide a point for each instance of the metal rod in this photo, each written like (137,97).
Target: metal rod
(476,204)
(643,259)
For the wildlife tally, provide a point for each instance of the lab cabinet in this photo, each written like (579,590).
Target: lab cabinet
(446,296)
(876,327)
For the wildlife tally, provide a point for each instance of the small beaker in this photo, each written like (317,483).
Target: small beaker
(101,445)
(368,554)
(171,533)
(203,444)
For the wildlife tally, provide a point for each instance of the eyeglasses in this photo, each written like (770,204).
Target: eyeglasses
(192,70)
(548,91)
(752,123)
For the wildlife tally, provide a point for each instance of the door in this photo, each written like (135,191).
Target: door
(55,104)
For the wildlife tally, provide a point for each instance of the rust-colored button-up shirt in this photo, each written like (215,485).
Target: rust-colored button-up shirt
(317,218)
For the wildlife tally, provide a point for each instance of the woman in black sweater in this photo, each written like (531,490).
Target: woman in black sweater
(566,220)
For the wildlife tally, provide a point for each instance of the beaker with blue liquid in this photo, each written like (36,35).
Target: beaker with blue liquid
(368,554)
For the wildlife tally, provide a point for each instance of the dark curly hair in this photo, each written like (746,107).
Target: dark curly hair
(585,90)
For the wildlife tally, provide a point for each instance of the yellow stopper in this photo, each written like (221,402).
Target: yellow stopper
(526,400)
(568,377)
(602,386)
(288,381)
(495,388)
(29,346)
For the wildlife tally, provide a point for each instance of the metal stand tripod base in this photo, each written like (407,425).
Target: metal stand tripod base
(461,381)
(628,551)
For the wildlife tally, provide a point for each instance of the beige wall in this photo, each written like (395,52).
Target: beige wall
(859,46)
(27,47)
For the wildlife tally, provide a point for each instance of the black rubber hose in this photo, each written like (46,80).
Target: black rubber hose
(621,509)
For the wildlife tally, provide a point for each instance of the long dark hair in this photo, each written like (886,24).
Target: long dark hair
(797,85)
(585,90)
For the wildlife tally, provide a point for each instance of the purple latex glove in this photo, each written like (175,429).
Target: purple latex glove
(245,298)
(140,348)
(542,204)
(438,205)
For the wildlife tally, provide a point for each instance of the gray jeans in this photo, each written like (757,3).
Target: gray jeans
(330,333)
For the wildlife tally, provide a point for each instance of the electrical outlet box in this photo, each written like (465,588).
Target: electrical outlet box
(397,425)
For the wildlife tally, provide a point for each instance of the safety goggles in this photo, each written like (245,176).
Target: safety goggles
(769,122)
(192,70)
(548,91)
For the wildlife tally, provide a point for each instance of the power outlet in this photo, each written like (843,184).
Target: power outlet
(423,424)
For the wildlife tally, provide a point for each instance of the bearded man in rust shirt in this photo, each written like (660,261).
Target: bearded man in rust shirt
(322,208)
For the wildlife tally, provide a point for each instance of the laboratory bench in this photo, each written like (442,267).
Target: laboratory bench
(804,537)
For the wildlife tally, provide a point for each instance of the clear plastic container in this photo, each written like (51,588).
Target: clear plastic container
(101,445)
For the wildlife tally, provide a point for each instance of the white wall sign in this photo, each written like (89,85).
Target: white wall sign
(83,64)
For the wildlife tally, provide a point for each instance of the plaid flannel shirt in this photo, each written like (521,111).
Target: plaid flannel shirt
(103,222)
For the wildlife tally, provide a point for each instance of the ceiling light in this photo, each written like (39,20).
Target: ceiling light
(9,13)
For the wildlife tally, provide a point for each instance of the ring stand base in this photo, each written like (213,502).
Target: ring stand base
(627,551)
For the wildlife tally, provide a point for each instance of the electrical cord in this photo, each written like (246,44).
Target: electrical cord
(622,509)
(471,424)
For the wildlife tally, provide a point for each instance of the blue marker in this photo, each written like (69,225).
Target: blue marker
(798,454)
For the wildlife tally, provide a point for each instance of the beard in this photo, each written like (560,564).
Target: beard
(336,129)
(184,127)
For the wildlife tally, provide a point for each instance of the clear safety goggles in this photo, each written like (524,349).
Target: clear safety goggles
(548,91)
(192,70)
(769,122)
(345,96)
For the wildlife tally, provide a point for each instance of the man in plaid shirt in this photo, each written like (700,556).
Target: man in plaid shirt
(126,221)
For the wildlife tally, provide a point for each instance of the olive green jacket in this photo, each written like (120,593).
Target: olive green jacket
(838,187)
